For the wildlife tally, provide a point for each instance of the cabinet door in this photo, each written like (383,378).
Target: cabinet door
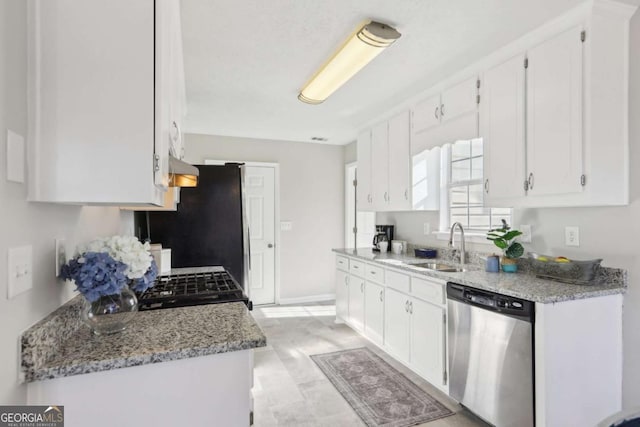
(428,341)
(459,100)
(342,295)
(554,115)
(374,312)
(502,129)
(363,190)
(397,324)
(426,114)
(380,166)
(399,163)
(356,302)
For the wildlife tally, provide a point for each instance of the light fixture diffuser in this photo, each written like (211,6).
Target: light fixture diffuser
(364,45)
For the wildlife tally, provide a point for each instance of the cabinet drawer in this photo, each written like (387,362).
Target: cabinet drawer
(342,263)
(374,273)
(428,290)
(356,268)
(397,280)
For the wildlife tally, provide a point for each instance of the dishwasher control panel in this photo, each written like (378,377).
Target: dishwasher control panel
(488,300)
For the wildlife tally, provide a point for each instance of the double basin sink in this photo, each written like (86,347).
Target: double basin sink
(433,266)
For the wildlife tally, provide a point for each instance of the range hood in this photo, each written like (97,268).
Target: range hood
(182,174)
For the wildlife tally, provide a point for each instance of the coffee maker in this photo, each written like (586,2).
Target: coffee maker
(383,233)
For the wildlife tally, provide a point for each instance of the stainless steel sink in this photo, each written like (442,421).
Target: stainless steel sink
(445,268)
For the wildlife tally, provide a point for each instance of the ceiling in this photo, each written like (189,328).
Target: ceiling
(245,61)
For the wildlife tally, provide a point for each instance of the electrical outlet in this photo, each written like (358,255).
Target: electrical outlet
(286,225)
(427,228)
(61,254)
(526,233)
(572,236)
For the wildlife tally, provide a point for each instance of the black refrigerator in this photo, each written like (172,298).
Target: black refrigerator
(209,227)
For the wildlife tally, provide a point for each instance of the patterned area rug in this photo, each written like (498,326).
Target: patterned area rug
(380,394)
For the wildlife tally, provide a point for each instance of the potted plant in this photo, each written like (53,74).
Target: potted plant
(504,239)
(105,271)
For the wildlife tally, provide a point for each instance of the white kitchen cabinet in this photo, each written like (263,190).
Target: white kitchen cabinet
(342,295)
(399,156)
(428,341)
(397,324)
(374,312)
(356,302)
(100,120)
(502,121)
(364,200)
(445,117)
(380,166)
(554,115)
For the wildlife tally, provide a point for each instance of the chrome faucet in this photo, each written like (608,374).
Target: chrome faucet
(463,257)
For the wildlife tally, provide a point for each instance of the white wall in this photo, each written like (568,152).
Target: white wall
(311,196)
(30,223)
(610,233)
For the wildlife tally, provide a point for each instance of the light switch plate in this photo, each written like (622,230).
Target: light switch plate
(286,225)
(15,157)
(526,233)
(426,228)
(19,270)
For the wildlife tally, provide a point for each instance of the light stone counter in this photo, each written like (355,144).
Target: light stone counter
(520,285)
(60,345)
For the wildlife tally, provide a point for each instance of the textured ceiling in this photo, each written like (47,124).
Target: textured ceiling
(245,61)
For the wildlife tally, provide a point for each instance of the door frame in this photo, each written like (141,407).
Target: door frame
(276,219)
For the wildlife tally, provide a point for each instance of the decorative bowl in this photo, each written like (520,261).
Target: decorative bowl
(567,271)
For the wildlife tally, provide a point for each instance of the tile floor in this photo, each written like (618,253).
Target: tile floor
(289,388)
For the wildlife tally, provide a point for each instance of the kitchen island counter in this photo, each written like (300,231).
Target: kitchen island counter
(61,345)
(520,285)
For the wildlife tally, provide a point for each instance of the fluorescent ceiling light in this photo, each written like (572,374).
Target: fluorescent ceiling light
(364,45)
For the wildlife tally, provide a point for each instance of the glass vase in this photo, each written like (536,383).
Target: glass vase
(111,313)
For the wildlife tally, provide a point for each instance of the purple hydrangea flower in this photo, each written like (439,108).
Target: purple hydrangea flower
(148,280)
(96,274)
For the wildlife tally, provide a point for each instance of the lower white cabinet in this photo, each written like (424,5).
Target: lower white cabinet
(428,337)
(374,312)
(342,295)
(356,302)
(397,324)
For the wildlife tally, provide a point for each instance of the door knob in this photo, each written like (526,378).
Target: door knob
(270,245)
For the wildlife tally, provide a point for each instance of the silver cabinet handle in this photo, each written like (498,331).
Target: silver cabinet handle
(270,245)
(486,185)
(406,194)
(362,287)
(436,112)
(442,110)
(346,280)
(530,181)
(372,272)
(406,306)
(411,307)
(386,197)
(369,198)
(381,295)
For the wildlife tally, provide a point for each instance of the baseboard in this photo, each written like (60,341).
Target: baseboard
(303,300)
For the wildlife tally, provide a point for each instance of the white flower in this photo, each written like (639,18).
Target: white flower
(126,249)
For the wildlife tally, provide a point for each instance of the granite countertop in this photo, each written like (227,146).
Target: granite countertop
(61,345)
(520,285)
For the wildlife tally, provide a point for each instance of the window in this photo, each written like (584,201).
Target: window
(463,185)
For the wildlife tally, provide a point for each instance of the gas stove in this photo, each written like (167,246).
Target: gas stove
(192,286)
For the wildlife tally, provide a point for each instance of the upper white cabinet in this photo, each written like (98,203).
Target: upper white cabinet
(554,115)
(101,93)
(554,118)
(384,166)
(502,120)
(364,200)
(445,117)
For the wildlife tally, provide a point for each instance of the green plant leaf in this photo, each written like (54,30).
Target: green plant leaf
(515,250)
(500,243)
(512,235)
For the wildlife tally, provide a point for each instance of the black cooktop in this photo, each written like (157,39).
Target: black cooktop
(188,289)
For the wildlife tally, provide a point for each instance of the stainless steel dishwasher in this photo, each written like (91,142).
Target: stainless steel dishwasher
(491,355)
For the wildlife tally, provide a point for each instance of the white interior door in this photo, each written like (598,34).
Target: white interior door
(365,221)
(260,199)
